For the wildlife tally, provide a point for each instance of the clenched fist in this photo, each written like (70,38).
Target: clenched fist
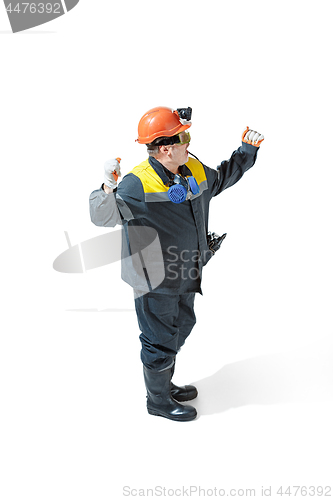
(252,137)
(112,172)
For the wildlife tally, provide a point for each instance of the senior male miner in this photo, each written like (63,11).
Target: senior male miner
(167,195)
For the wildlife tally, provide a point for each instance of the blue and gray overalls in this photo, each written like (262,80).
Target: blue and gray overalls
(165,309)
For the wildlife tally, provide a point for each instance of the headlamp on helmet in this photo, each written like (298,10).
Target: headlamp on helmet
(185,113)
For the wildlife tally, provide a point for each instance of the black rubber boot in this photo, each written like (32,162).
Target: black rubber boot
(183,393)
(159,399)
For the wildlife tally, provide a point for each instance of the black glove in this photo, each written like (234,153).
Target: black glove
(214,241)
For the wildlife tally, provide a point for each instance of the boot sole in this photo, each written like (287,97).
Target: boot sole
(178,418)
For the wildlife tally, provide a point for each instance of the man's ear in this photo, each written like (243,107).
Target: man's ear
(164,150)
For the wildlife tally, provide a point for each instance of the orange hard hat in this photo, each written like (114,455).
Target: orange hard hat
(159,122)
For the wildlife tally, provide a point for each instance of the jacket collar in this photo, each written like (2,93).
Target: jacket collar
(166,175)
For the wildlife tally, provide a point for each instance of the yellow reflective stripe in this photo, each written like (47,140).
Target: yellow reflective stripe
(197,170)
(151,182)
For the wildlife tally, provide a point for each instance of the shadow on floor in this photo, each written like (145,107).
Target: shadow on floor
(270,379)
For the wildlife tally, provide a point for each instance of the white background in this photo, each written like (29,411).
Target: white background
(73,418)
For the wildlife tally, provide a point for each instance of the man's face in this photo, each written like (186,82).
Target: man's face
(179,153)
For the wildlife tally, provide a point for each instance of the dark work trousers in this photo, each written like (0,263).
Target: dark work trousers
(165,322)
